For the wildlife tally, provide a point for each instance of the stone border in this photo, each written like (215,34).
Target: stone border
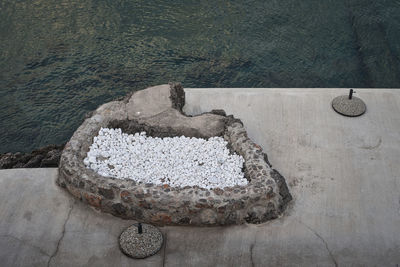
(158,110)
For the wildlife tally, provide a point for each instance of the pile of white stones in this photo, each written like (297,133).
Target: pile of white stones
(176,161)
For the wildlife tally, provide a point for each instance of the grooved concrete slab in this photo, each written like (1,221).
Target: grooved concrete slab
(344,175)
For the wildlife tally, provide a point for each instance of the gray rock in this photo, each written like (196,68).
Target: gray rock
(48,156)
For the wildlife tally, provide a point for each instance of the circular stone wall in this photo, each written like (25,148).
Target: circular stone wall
(158,112)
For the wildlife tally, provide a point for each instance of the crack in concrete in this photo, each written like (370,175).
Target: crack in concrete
(251,255)
(323,240)
(25,242)
(62,235)
(251,250)
(165,246)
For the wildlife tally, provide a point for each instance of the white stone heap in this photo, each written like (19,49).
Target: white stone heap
(176,161)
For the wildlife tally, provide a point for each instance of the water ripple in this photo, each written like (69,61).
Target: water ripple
(60,59)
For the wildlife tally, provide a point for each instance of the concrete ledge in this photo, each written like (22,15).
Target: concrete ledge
(344,175)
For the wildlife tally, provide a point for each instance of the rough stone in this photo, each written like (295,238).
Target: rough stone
(208,216)
(126,196)
(161,218)
(92,199)
(119,209)
(107,193)
(256,214)
(48,156)
(283,189)
(158,111)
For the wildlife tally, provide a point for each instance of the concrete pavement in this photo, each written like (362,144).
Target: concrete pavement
(344,175)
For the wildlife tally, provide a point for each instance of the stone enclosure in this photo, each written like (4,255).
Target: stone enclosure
(158,111)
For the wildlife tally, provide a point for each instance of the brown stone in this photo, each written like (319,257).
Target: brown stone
(257,146)
(145,204)
(202,206)
(162,217)
(126,196)
(93,200)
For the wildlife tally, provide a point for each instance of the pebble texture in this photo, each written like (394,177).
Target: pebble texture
(349,107)
(175,161)
(143,245)
(158,112)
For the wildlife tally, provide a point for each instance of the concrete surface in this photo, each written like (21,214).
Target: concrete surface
(344,175)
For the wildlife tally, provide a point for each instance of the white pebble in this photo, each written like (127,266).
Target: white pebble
(176,161)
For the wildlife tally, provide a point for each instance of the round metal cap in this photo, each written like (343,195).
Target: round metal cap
(139,246)
(349,107)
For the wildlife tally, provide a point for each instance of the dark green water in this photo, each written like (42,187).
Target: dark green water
(62,58)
